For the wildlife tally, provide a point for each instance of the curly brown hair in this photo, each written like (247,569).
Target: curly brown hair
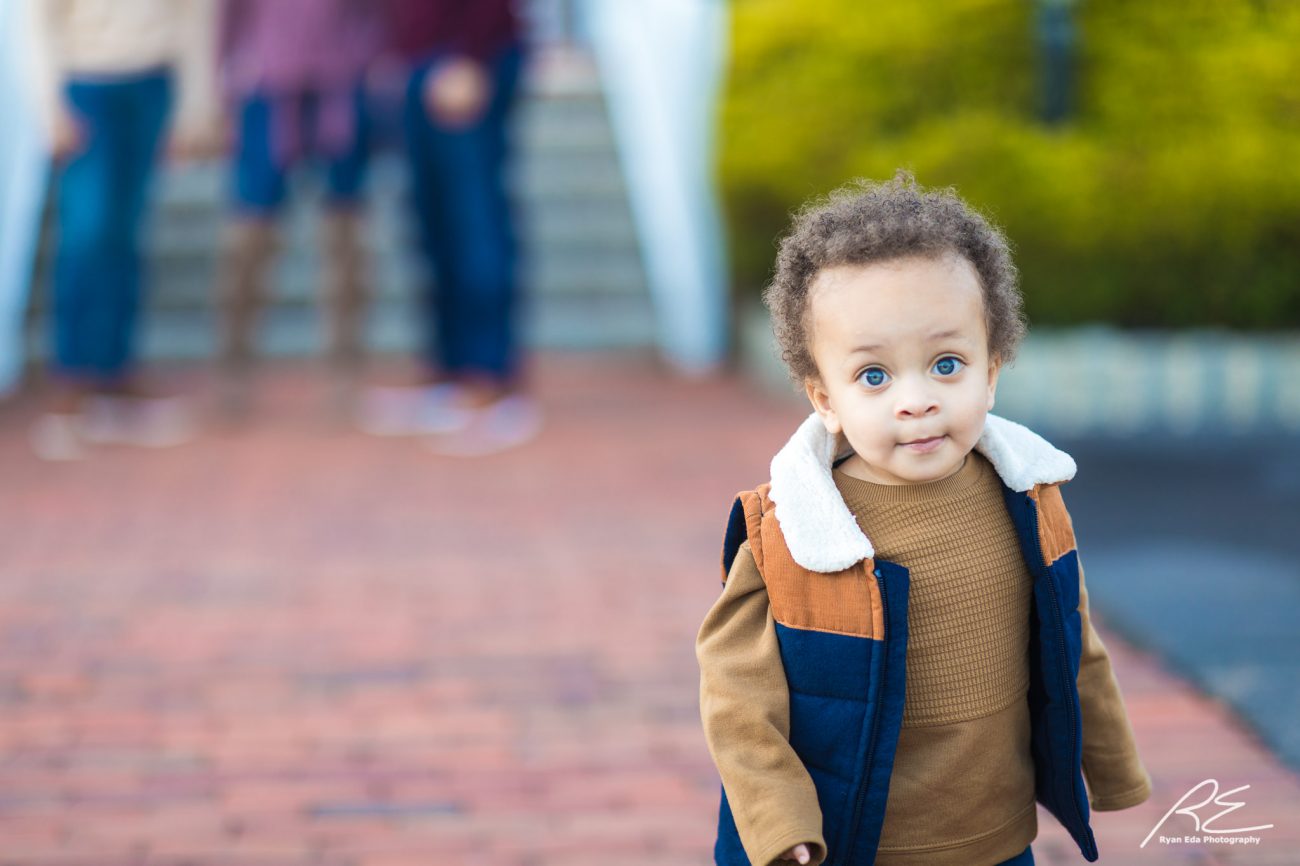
(865,222)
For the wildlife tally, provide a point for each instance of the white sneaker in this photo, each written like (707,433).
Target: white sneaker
(500,426)
(57,436)
(146,422)
(413,411)
(103,421)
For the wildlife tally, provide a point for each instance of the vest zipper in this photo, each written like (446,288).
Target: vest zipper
(875,717)
(1061,663)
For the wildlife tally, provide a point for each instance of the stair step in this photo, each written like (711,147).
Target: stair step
(294,329)
(550,229)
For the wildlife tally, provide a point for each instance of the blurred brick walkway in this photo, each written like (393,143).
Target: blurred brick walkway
(291,644)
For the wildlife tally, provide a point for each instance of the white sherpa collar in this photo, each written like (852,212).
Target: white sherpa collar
(820,530)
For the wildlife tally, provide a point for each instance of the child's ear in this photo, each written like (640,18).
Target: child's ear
(995,367)
(821,403)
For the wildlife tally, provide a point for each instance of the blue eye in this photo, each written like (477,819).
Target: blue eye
(873,377)
(948,365)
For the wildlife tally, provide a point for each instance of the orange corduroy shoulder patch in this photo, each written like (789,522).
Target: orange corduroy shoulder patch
(1055,530)
(843,602)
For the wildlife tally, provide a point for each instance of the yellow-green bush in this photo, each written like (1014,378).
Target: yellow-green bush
(1171,196)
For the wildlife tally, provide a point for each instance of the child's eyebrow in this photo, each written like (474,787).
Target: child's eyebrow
(940,335)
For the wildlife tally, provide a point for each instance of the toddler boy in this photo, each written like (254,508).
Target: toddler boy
(901,661)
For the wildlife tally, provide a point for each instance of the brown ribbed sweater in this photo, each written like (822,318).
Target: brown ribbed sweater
(962,790)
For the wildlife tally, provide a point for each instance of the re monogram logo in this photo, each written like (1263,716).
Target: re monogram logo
(1204,827)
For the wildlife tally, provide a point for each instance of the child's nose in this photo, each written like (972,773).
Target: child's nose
(915,400)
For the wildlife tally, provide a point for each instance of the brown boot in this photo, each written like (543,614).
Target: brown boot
(249,246)
(346,289)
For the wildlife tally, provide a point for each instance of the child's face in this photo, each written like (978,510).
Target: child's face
(905,369)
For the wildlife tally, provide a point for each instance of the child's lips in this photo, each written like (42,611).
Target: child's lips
(924,446)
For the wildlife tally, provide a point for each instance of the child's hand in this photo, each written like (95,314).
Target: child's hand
(798,853)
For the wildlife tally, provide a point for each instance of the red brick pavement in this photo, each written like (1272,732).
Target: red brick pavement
(291,644)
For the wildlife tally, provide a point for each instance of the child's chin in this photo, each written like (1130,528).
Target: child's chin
(932,472)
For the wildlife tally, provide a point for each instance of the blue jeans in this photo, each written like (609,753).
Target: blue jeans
(102,194)
(466,227)
(1024,858)
(259,176)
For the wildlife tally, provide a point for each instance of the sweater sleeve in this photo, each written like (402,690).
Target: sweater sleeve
(745,707)
(1111,766)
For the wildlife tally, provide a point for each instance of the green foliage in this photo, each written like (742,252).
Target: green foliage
(1170,197)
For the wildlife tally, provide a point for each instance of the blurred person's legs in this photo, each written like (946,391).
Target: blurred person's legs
(101,207)
(102,197)
(345,293)
(249,246)
(262,163)
(345,285)
(662,65)
(467,233)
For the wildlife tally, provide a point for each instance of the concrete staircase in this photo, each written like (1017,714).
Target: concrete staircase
(582,270)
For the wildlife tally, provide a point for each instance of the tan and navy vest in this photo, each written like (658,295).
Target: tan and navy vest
(841,621)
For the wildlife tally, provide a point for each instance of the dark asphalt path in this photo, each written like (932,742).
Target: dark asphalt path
(1192,550)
